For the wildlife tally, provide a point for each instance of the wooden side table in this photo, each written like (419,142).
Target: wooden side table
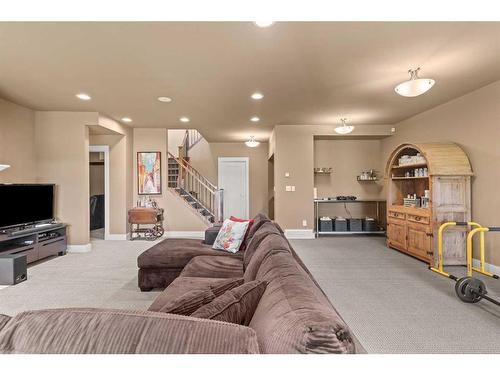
(152,217)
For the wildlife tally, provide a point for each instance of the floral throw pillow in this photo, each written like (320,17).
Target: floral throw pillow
(230,236)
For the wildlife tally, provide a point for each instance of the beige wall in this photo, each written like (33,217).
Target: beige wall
(294,154)
(175,138)
(178,216)
(348,158)
(473,122)
(204,157)
(62,154)
(17,142)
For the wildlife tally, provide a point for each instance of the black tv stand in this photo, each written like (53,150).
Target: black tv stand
(36,241)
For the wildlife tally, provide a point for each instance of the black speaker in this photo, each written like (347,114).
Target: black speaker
(13,269)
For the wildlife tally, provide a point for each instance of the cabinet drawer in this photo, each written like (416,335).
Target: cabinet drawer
(47,249)
(418,219)
(396,215)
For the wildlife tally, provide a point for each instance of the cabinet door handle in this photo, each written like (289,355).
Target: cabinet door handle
(417,218)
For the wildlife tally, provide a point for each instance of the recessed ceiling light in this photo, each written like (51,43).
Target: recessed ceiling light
(126,119)
(264,23)
(184,119)
(414,86)
(255,119)
(257,96)
(252,142)
(165,99)
(83,96)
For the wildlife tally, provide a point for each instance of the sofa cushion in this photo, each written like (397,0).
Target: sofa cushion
(188,303)
(236,305)
(245,239)
(210,266)
(272,243)
(231,236)
(259,220)
(183,285)
(293,315)
(3,320)
(265,229)
(176,253)
(100,331)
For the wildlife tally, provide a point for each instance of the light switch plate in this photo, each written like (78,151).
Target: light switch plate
(304,223)
(287,174)
(288,188)
(293,187)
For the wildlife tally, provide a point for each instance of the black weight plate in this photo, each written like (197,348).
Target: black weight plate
(465,288)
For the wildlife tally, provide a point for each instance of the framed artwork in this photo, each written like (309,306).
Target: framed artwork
(149,172)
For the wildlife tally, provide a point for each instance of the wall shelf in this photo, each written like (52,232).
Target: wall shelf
(366,179)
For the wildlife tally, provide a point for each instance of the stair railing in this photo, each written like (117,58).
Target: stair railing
(198,186)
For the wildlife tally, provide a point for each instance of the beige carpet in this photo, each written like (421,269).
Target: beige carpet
(104,277)
(391,301)
(394,304)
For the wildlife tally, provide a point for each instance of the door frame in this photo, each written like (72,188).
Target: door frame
(246,160)
(105,150)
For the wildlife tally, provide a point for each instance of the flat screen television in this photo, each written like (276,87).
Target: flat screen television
(23,204)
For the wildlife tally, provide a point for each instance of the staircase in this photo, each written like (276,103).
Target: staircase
(195,189)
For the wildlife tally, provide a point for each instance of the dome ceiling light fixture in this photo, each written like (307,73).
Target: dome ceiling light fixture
(252,142)
(165,99)
(414,86)
(344,129)
(257,96)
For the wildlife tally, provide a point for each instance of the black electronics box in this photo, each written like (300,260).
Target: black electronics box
(13,269)
(355,225)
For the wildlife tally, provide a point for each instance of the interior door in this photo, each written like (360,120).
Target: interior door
(233,178)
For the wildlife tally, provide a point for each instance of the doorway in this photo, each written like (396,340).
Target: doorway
(99,192)
(233,178)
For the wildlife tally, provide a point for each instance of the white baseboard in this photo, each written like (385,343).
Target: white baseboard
(184,234)
(487,266)
(79,248)
(117,237)
(299,234)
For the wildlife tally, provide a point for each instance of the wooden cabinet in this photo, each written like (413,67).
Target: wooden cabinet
(413,229)
(396,234)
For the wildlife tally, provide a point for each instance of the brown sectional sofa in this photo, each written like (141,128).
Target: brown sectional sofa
(293,315)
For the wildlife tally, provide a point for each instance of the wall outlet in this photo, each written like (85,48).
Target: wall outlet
(293,187)
(304,223)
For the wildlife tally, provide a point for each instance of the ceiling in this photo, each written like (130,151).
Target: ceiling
(309,72)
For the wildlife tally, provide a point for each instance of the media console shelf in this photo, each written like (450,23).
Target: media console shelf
(35,242)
